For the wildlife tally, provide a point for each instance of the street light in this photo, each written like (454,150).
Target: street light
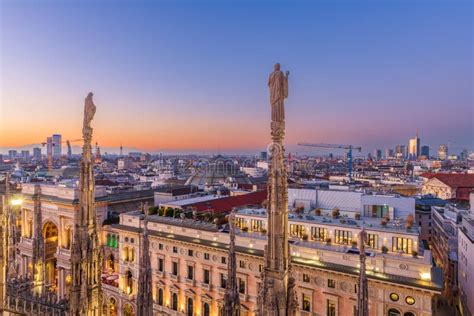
(16,202)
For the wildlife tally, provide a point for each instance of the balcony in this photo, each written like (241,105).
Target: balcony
(190,282)
(206,286)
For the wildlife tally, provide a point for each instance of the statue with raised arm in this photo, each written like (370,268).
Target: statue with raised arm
(89,112)
(278,85)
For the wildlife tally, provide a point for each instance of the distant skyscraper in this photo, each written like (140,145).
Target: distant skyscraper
(388,153)
(378,154)
(12,154)
(425,151)
(49,147)
(25,154)
(263,155)
(464,156)
(400,151)
(442,152)
(37,153)
(414,147)
(56,139)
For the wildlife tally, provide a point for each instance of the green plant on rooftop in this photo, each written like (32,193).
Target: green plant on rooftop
(153,210)
(317,212)
(328,241)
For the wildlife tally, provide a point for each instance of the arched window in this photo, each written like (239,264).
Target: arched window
(114,241)
(125,253)
(206,309)
(190,307)
(128,282)
(112,307)
(128,310)
(131,254)
(174,301)
(393,312)
(108,240)
(160,296)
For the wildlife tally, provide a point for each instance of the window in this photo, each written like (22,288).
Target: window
(206,276)
(206,256)
(190,273)
(174,268)
(242,264)
(175,249)
(331,283)
(373,241)
(402,244)
(223,281)
(241,286)
(260,267)
(190,252)
(190,307)
(305,278)
(410,300)
(343,237)
(161,265)
(306,303)
(160,246)
(378,211)
(331,308)
(394,297)
(256,225)
(160,297)
(132,240)
(296,230)
(319,233)
(206,310)
(174,301)
(223,260)
(393,312)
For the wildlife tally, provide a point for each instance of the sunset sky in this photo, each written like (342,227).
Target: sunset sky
(192,75)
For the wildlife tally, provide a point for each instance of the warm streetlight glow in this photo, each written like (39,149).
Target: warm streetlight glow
(16,202)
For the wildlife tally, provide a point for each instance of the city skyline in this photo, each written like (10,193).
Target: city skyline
(351,82)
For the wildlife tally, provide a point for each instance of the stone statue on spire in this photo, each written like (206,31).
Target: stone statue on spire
(362,295)
(89,112)
(278,86)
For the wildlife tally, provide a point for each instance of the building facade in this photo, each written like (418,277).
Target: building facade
(466,262)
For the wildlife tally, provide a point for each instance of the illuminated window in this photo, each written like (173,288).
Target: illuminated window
(330,308)
(373,241)
(410,300)
(343,237)
(306,303)
(319,233)
(402,244)
(394,297)
(297,230)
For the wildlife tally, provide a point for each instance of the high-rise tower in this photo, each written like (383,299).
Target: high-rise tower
(277,293)
(86,255)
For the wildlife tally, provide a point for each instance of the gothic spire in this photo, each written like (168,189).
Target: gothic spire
(144,298)
(231,297)
(86,254)
(362,294)
(38,244)
(276,297)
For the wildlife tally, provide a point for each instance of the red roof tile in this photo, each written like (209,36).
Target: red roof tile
(227,203)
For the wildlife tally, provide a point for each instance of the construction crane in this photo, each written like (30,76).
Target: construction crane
(349,149)
(49,153)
